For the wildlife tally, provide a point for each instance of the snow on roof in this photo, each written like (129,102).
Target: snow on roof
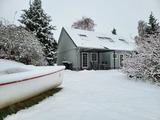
(91,39)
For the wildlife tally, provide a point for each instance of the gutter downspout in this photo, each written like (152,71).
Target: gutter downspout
(77,58)
(114,60)
(94,60)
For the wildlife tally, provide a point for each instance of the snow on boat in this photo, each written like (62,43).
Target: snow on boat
(23,82)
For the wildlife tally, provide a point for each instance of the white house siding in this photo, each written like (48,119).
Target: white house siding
(75,56)
(66,49)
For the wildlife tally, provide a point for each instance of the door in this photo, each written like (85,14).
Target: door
(94,61)
(84,60)
(94,57)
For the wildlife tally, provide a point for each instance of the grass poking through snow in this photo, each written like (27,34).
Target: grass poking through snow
(12,109)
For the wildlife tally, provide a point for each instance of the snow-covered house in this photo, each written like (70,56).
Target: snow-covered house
(80,49)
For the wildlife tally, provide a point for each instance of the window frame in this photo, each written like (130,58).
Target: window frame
(115,55)
(95,57)
(83,61)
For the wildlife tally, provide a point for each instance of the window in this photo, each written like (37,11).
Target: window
(84,60)
(94,57)
(110,40)
(101,38)
(106,38)
(121,57)
(83,37)
(114,56)
(123,40)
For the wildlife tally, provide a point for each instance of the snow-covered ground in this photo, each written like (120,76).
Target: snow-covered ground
(97,95)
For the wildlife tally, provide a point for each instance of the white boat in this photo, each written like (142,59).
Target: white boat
(18,84)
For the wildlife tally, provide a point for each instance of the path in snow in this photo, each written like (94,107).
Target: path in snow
(97,95)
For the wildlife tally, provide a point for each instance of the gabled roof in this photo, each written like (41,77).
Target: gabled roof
(91,39)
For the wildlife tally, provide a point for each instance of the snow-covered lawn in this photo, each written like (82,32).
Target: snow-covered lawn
(97,95)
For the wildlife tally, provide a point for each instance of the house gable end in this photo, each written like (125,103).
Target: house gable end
(66,48)
(70,37)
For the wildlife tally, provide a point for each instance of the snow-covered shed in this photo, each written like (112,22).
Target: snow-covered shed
(81,49)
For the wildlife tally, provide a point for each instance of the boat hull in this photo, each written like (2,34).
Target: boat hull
(16,91)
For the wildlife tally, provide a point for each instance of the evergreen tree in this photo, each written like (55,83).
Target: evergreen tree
(114,31)
(36,21)
(153,26)
(147,29)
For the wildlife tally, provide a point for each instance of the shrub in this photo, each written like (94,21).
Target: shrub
(20,45)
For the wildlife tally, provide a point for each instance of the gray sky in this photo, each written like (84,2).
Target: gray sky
(107,14)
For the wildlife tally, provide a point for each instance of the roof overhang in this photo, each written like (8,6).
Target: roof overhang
(96,50)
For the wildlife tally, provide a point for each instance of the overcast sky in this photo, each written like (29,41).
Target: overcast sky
(123,15)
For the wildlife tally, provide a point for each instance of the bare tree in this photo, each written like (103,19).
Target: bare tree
(142,25)
(85,24)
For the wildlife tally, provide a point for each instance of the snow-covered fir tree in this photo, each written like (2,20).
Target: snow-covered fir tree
(18,44)
(114,32)
(38,22)
(153,26)
(84,24)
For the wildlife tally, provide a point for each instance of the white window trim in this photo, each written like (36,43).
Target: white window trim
(119,59)
(82,60)
(115,55)
(96,57)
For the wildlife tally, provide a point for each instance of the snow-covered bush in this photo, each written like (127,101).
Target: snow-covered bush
(145,62)
(20,45)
